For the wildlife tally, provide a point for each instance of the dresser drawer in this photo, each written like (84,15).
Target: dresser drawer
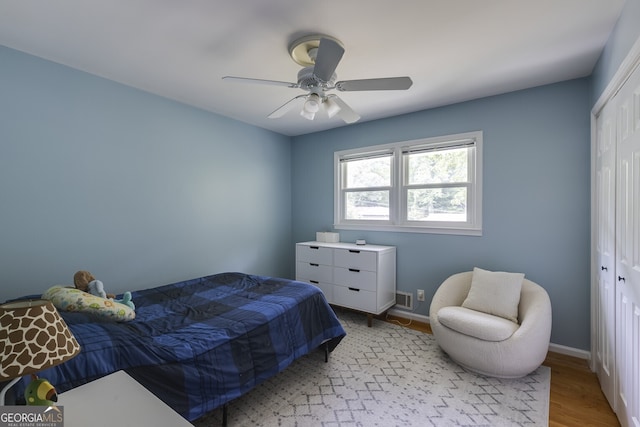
(311,271)
(355,258)
(326,288)
(354,298)
(354,278)
(314,254)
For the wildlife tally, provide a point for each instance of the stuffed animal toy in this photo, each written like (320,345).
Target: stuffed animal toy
(40,392)
(85,281)
(126,300)
(96,287)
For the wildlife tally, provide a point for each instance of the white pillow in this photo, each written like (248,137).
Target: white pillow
(495,292)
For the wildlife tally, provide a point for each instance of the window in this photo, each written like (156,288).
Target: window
(367,186)
(431,185)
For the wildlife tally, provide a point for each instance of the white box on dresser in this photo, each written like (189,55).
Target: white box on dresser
(361,277)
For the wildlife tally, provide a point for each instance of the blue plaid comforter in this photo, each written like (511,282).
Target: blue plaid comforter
(201,343)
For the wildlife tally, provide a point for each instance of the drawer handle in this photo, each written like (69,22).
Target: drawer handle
(314,265)
(354,289)
(314,281)
(314,247)
(355,270)
(354,251)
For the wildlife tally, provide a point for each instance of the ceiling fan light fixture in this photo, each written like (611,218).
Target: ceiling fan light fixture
(311,105)
(332,107)
(307,115)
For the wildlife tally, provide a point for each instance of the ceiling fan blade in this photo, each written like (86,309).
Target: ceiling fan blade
(387,83)
(346,113)
(288,106)
(259,81)
(329,55)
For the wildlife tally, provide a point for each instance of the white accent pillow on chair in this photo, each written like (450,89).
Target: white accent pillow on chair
(495,292)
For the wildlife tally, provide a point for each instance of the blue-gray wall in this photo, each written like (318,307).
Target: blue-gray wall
(621,40)
(135,188)
(535,196)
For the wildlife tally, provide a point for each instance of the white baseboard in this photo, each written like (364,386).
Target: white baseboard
(409,315)
(570,351)
(556,348)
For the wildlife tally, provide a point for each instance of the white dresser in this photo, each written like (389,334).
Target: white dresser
(361,277)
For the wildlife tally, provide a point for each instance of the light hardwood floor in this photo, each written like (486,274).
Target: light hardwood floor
(575,398)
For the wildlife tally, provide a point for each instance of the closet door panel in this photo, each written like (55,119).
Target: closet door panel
(605,296)
(628,252)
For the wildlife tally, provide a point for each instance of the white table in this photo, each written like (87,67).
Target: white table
(116,400)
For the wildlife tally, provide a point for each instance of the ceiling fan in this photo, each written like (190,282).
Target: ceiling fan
(320,55)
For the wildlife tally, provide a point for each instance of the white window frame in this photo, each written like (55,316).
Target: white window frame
(398,190)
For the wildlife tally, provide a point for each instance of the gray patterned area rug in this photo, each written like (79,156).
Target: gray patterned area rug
(387,375)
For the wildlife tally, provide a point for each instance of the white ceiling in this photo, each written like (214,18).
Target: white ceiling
(454,50)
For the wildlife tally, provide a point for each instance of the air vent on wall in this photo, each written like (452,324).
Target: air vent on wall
(404,300)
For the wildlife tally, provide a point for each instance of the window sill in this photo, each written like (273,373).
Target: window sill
(459,231)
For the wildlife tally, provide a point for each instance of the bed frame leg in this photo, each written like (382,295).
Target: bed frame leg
(326,352)
(225,414)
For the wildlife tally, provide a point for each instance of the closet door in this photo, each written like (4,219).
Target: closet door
(605,295)
(628,252)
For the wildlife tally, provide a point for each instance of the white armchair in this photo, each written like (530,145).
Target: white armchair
(488,344)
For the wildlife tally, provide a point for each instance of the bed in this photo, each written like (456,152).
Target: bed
(198,344)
